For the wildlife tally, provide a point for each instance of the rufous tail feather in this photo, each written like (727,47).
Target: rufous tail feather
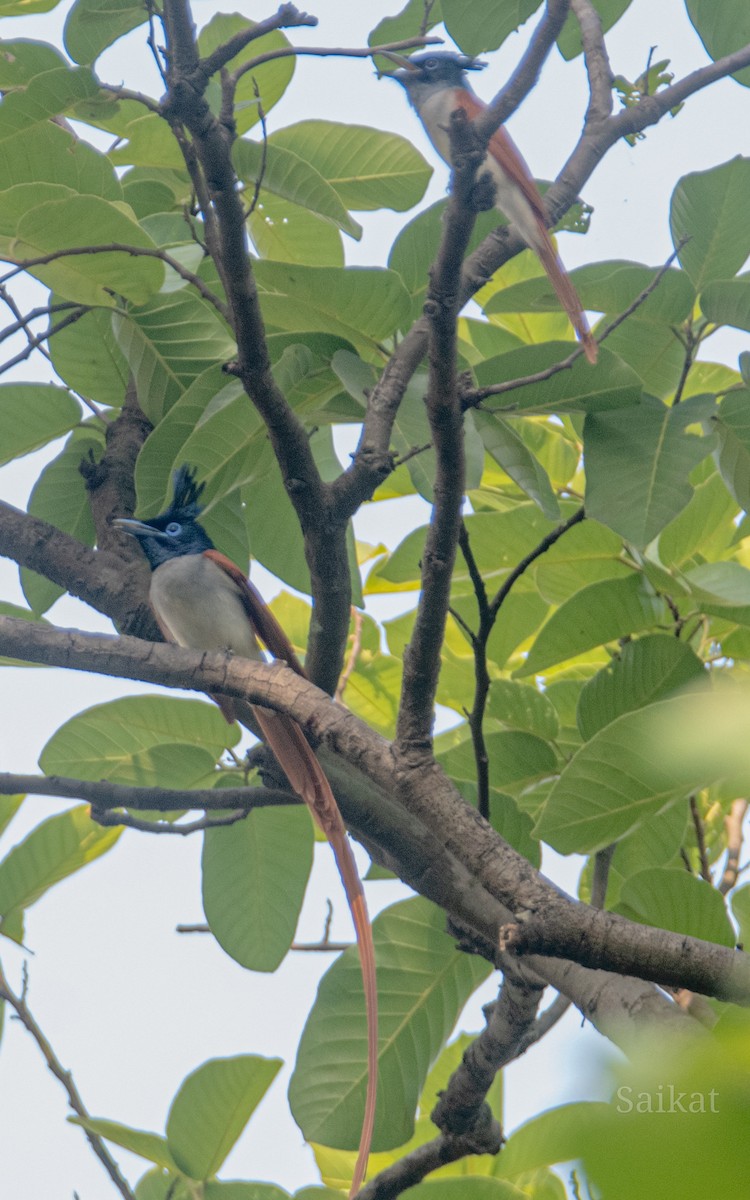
(309,781)
(566,293)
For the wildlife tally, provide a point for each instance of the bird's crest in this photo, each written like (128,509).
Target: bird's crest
(187,493)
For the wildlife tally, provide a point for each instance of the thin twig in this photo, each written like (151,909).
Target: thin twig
(116,819)
(700,837)
(36,342)
(65,1077)
(334,52)
(733,825)
(353,655)
(105,796)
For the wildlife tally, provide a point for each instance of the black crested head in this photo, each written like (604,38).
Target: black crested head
(176,531)
(437,67)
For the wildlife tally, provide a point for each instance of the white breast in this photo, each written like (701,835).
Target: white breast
(201,606)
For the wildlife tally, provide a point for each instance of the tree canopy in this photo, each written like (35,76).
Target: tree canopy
(577,606)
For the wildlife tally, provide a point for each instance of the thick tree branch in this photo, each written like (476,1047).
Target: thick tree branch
(324,531)
(422,655)
(548,922)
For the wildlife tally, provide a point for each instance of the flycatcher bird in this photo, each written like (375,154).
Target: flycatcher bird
(437,86)
(202,600)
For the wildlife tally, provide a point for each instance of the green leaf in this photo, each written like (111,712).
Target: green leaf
(288,233)
(515,758)
(93,25)
(515,826)
(45,152)
(510,452)
(655,842)
(707,525)
(168,343)
(710,208)
(610,11)
(86,356)
(618,779)
(361,304)
(638,463)
(653,351)
(149,741)
(722,584)
(285,174)
(522,707)
(588,553)
(235,1189)
(33,414)
(59,497)
(212,1107)
(9,806)
(599,613)
(727,302)
(254,878)
(424,983)
(21,61)
(46,95)
(608,287)
(723,28)
(138,1141)
(272,78)
(552,1137)
(583,388)
(80,221)
(476,27)
(470,1187)
(369,169)
(672,899)
(733,429)
(53,850)
(406,24)
(645,670)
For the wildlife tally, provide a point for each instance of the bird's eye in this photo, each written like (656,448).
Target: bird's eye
(173,528)
(430,64)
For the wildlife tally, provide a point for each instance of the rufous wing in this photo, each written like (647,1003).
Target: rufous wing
(531,222)
(262,619)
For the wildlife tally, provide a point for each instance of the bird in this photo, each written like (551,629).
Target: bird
(437,86)
(202,600)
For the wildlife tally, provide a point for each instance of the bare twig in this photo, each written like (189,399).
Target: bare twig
(64,1076)
(700,838)
(114,818)
(353,655)
(334,52)
(105,796)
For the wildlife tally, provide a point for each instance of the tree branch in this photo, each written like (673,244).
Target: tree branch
(102,795)
(548,922)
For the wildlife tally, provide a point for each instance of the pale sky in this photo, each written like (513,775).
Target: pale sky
(130,1006)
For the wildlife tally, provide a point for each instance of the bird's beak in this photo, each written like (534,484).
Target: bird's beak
(405,65)
(135,528)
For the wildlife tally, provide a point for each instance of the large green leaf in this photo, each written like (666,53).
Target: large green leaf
(727,302)
(552,1137)
(150,741)
(588,553)
(287,232)
(44,152)
(212,1107)
(609,12)
(368,168)
(168,343)
(723,28)
(477,27)
(21,60)
(645,670)
(510,452)
(654,352)
(515,756)
(655,842)
(607,287)
(423,983)
(672,899)
(32,414)
(59,497)
(44,96)
(362,304)
(254,879)
(733,428)
(86,356)
(52,851)
(286,174)
(80,221)
(151,1146)
(638,463)
(271,78)
(710,209)
(93,25)
(708,524)
(583,388)
(599,613)
(620,778)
